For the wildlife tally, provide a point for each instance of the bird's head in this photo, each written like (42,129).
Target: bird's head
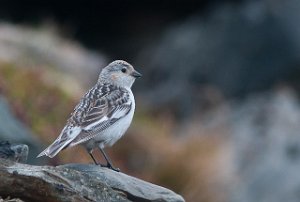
(119,73)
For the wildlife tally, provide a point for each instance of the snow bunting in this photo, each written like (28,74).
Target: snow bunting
(103,114)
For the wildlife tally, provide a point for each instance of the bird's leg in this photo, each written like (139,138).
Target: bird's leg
(109,164)
(91,155)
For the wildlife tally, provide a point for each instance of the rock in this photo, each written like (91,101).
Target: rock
(135,189)
(76,182)
(14,152)
(8,199)
(221,49)
(265,145)
(44,47)
(14,131)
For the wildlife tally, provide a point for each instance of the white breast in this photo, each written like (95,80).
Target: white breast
(118,129)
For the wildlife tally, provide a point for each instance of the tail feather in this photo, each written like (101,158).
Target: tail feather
(54,148)
(61,142)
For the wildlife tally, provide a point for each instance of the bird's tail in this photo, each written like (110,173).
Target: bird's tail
(60,143)
(54,148)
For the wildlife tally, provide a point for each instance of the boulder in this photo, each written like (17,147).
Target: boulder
(265,146)
(11,129)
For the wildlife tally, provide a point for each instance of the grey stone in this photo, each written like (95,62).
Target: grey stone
(14,152)
(76,182)
(265,144)
(134,188)
(44,47)
(14,131)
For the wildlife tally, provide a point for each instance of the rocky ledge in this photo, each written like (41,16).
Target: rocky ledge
(76,182)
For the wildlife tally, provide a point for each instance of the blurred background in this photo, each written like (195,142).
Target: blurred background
(218,111)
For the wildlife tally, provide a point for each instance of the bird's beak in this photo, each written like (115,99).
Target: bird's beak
(136,74)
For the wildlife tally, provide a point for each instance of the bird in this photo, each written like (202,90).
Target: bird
(102,115)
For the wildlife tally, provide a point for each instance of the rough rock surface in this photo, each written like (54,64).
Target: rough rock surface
(14,131)
(76,182)
(14,152)
(266,148)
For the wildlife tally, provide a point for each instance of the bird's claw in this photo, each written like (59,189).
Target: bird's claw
(111,167)
(115,169)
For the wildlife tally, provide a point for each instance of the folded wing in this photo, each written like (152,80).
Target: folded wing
(102,113)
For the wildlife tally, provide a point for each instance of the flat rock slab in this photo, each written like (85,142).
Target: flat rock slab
(76,182)
(134,188)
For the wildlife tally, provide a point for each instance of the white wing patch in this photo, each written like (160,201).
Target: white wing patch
(92,125)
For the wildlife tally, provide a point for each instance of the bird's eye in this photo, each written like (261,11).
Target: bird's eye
(123,70)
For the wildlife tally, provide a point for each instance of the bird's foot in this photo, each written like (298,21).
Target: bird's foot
(111,167)
(100,164)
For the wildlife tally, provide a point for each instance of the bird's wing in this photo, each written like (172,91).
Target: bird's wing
(99,109)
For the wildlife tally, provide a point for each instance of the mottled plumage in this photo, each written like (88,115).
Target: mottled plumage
(103,114)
